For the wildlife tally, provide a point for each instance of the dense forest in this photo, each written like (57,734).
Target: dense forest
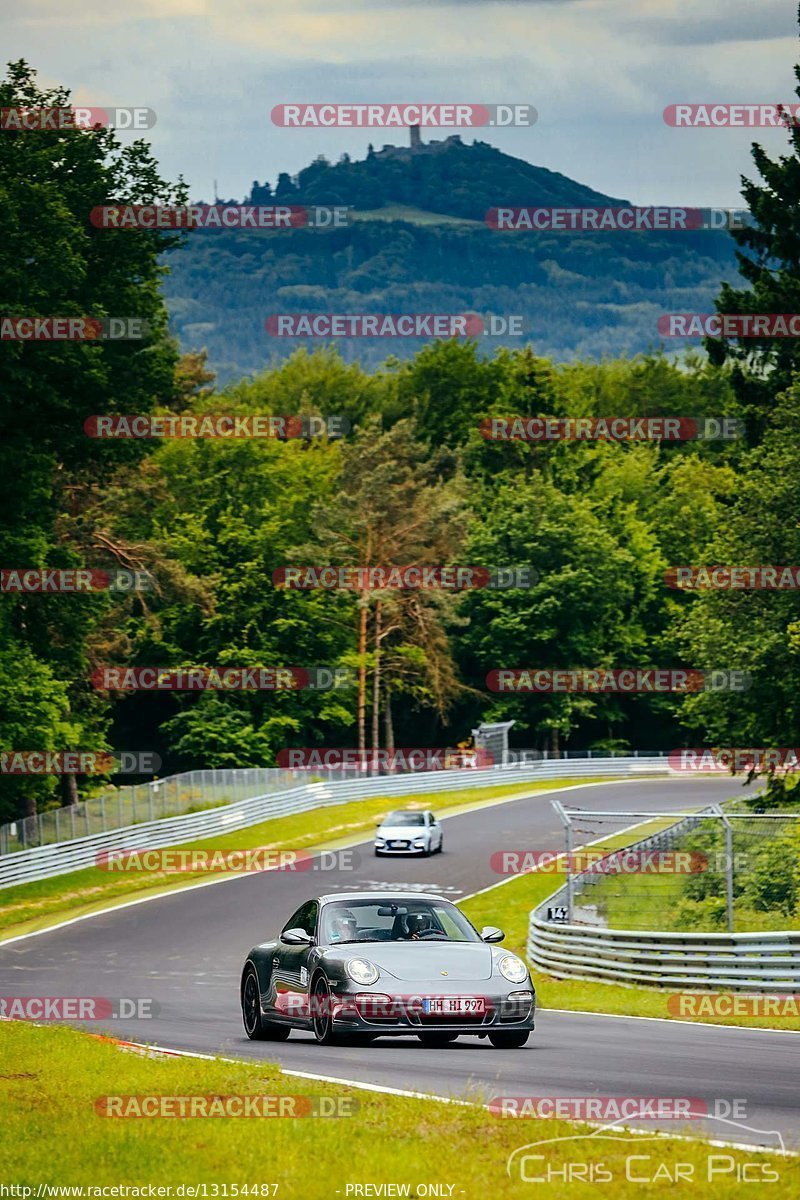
(600,523)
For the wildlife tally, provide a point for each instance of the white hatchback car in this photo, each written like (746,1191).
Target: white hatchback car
(407,832)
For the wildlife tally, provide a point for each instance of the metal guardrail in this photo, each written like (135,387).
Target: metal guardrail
(759,962)
(740,961)
(130,804)
(43,862)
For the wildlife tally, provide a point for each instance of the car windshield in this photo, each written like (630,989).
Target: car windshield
(377,920)
(405,818)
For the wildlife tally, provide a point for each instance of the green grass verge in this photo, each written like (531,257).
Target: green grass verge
(509,904)
(52,1134)
(414,216)
(33,906)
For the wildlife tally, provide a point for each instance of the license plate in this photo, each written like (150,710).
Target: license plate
(445,1005)
(399,845)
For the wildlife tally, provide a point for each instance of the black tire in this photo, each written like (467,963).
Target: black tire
(256,1028)
(509,1039)
(320,1012)
(435,1040)
(441,846)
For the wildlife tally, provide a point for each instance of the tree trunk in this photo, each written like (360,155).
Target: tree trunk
(362,677)
(388,726)
(554,742)
(69,790)
(376,690)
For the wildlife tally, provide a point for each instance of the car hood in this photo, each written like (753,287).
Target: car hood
(402,832)
(418,962)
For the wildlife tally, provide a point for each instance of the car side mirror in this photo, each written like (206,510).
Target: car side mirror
(490,933)
(296,937)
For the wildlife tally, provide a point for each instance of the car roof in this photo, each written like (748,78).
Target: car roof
(387,894)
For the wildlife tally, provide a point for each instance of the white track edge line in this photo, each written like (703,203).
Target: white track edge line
(392,1091)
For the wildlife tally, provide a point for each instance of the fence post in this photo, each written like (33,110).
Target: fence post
(567,823)
(718,812)
(729,872)
(150,799)
(103,810)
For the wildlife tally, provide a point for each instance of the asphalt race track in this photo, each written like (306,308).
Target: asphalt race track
(186,951)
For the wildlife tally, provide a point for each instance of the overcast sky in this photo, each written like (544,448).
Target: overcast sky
(599,72)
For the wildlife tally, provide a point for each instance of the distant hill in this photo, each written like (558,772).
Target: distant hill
(418,243)
(441,177)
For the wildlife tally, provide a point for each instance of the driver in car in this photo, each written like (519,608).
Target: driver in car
(344,928)
(417,924)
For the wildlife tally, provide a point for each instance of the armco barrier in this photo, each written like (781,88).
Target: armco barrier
(761,962)
(42,862)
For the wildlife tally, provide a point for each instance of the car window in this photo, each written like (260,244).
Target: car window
(387,920)
(305,918)
(405,818)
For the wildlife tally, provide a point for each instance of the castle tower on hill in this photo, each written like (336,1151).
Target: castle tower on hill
(416,140)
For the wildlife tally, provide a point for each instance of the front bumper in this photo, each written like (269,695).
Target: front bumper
(400,849)
(364,1011)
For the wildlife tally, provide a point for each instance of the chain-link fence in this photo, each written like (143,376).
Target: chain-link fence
(192,791)
(729,870)
(116,808)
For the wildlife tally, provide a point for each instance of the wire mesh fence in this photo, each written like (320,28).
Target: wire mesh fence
(193,791)
(726,870)
(116,808)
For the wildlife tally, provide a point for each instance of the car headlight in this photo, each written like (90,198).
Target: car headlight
(419,841)
(361,971)
(513,969)
(380,840)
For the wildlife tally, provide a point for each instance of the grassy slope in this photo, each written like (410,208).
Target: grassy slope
(36,905)
(52,1134)
(509,906)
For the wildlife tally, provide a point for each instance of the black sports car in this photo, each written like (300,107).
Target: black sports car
(361,965)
